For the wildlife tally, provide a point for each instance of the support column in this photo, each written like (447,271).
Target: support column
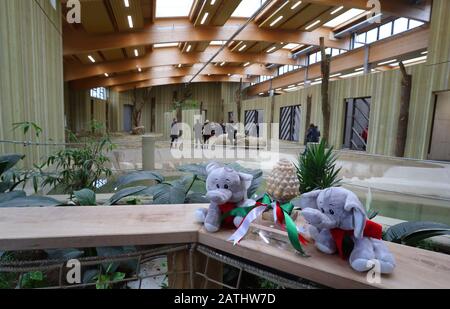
(148,151)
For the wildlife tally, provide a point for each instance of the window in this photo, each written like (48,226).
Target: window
(99,93)
(386,30)
(372,36)
(400,25)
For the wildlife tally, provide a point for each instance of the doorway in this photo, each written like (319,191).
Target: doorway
(440,139)
(290,121)
(127,118)
(356,128)
(253,121)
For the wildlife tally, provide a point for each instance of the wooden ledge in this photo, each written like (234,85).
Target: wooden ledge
(75,227)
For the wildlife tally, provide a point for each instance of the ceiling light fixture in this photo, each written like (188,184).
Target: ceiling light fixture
(242,47)
(271,49)
(246,64)
(359,69)
(189,48)
(106,75)
(205,17)
(179,65)
(213,2)
(296,5)
(130,21)
(222,64)
(337,10)
(387,62)
(136,53)
(91,58)
(276,21)
(313,24)
(424,53)
(127,3)
(335,75)
(139,69)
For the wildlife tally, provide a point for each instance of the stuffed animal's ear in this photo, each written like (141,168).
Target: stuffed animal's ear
(246,179)
(353,205)
(309,200)
(211,167)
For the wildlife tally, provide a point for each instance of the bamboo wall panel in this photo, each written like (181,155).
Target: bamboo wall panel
(439,47)
(31,73)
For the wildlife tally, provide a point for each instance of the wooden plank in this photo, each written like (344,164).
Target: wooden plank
(69,227)
(415,268)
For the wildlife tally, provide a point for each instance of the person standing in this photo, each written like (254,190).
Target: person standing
(231,131)
(312,136)
(206,132)
(198,128)
(174,132)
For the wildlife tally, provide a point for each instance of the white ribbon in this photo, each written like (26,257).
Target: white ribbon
(245,225)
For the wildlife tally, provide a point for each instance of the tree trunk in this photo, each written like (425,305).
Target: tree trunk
(405,98)
(238,98)
(325,68)
(308,114)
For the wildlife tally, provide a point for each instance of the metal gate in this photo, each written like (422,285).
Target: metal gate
(253,119)
(357,117)
(290,119)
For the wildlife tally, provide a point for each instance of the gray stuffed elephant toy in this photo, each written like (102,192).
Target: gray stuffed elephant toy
(226,190)
(338,223)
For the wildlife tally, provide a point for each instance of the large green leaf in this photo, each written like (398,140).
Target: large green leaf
(31,201)
(64,254)
(116,251)
(85,197)
(196,169)
(125,193)
(411,233)
(196,198)
(139,176)
(169,194)
(4,197)
(8,161)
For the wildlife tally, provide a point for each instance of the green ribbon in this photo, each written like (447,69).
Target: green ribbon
(287,209)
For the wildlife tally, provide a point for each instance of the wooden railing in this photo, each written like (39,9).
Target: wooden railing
(81,227)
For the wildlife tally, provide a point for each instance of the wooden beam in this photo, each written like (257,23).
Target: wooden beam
(399,45)
(403,8)
(178,80)
(169,71)
(181,30)
(172,56)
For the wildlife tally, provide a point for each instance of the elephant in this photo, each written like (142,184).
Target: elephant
(337,219)
(226,190)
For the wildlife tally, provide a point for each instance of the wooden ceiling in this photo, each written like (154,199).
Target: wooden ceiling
(123,49)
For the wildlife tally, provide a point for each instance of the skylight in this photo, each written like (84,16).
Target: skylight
(173,8)
(352,13)
(291,46)
(247,8)
(217,42)
(165,45)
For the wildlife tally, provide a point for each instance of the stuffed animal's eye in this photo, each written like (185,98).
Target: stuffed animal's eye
(323,210)
(332,211)
(226,186)
(218,186)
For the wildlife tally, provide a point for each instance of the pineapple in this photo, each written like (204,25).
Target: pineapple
(282,183)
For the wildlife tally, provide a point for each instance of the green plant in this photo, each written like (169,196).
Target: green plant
(104,281)
(27,126)
(185,190)
(11,178)
(33,280)
(316,169)
(413,233)
(78,168)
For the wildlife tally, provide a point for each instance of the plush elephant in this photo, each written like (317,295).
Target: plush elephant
(226,190)
(338,223)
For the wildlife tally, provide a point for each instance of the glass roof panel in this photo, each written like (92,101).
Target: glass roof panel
(247,8)
(352,13)
(173,8)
